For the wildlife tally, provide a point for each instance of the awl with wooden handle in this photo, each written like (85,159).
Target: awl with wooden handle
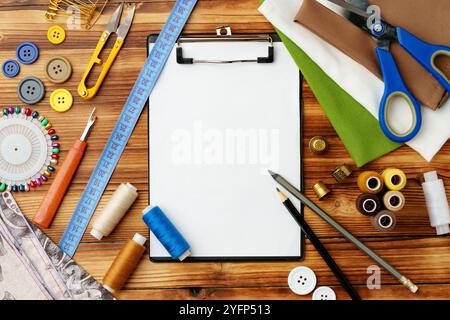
(50,205)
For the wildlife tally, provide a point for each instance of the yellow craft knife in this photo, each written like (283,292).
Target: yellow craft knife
(111,27)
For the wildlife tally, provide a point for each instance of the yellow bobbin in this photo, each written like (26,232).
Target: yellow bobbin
(56,34)
(370,182)
(61,100)
(394,179)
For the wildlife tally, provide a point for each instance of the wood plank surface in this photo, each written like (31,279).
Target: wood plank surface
(412,247)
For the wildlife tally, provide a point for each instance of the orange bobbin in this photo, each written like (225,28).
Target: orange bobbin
(370,182)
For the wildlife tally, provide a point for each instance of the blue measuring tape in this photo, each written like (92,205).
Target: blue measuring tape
(125,125)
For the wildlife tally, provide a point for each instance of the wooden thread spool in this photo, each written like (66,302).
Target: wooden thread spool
(121,200)
(370,182)
(124,264)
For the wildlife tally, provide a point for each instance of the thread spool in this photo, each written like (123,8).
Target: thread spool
(394,201)
(124,264)
(437,203)
(394,179)
(368,204)
(121,200)
(370,182)
(166,232)
(385,220)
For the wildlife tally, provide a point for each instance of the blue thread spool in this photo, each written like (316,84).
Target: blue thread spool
(166,232)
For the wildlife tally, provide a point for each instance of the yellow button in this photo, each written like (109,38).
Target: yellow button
(61,100)
(56,34)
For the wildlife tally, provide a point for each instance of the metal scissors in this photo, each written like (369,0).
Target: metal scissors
(423,52)
(111,27)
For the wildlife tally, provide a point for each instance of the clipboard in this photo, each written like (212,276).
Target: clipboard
(183,56)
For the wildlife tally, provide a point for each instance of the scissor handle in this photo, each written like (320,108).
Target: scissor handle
(395,87)
(425,54)
(83,90)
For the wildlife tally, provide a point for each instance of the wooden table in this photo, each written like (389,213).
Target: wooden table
(412,247)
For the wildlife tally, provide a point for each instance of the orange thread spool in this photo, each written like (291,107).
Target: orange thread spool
(124,264)
(370,182)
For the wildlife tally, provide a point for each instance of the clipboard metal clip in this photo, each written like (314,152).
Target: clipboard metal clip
(224,33)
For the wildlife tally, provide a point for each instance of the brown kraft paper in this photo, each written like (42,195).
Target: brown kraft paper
(427,20)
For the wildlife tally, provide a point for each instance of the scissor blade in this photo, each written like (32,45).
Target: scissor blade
(113,22)
(352,8)
(123,29)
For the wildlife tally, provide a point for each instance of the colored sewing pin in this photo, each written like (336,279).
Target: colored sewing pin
(55,194)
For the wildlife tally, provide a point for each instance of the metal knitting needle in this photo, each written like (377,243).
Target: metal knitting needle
(300,196)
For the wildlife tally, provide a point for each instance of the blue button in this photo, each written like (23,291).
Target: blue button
(10,68)
(27,53)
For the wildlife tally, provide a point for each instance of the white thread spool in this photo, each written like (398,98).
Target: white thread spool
(437,204)
(114,210)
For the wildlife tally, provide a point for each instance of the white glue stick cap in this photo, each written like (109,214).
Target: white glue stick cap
(139,239)
(96,234)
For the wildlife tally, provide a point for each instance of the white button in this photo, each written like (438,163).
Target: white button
(324,293)
(302,280)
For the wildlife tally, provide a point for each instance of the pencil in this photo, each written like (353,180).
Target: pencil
(300,196)
(319,246)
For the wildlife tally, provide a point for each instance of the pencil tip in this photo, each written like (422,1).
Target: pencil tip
(271,173)
(278,189)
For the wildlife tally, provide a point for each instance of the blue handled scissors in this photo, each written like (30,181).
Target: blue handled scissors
(423,52)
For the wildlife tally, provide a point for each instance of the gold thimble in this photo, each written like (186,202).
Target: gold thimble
(341,172)
(321,190)
(318,144)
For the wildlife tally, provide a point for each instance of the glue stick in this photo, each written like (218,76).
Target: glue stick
(437,203)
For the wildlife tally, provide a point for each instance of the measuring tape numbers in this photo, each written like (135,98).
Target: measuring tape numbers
(125,125)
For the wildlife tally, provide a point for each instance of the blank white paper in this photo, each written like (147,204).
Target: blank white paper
(214,130)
